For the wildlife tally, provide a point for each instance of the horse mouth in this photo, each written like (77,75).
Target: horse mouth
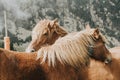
(32,50)
(107,61)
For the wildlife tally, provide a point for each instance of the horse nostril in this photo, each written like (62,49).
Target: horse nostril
(108,61)
(32,50)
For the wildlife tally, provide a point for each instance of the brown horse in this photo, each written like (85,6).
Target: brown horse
(45,32)
(104,71)
(23,66)
(107,74)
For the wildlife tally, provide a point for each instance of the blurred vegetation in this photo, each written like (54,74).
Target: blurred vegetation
(72,15)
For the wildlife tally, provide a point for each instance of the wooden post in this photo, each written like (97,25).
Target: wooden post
(7,43)
(6,38)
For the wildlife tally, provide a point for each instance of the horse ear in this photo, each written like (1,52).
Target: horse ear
(49,26)
(55,20)
(53,23)
(87,27)
(61,31)
(96,33)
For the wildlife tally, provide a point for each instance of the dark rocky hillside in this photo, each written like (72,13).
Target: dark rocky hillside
(22,15)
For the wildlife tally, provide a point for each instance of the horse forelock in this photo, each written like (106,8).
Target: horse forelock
(41,24)
(71,49)
(39,29)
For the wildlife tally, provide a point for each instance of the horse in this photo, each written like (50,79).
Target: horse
(94,69)
(46,32)
(107,74)
(23,66)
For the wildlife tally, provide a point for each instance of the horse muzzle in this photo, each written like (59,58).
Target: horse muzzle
(108,60)
(30,50)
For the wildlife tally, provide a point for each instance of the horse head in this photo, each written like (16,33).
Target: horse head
(99,51)
(46,32)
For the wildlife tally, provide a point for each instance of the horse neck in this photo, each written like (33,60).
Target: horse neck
(110,70)
(115,66)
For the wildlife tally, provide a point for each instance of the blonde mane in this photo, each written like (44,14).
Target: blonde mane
(71,49)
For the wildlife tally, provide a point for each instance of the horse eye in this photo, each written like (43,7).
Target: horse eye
(104,42)
(45,34)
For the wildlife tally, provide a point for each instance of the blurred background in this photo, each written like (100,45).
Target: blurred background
(23,15)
